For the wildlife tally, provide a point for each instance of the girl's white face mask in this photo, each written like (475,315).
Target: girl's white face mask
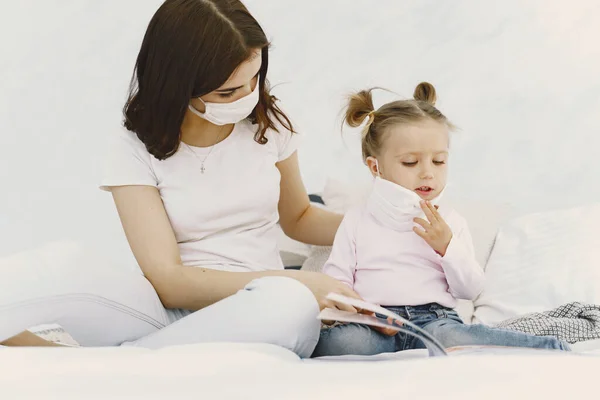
(395,206)
(228,113)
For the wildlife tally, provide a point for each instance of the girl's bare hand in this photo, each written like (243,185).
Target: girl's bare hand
(436,231)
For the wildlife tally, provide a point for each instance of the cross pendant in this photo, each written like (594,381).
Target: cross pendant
(202,169)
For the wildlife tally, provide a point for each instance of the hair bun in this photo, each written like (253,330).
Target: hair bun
(360,106)
(425,92)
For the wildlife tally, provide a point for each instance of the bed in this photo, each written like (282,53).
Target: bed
(532,263)
(236,371)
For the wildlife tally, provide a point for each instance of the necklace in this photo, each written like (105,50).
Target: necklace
(202,169)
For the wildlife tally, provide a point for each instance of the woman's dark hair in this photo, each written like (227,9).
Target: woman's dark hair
(190,48)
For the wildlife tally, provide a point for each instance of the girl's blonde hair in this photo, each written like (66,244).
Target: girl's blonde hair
(360,107)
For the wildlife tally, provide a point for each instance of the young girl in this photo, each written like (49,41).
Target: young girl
(399,249)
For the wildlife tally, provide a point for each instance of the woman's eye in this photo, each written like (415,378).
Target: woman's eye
(226,95)
(439,162)
(409,164)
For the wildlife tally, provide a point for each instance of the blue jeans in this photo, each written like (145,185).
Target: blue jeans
(442,323)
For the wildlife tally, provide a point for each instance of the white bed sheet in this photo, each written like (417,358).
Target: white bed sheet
(236,371)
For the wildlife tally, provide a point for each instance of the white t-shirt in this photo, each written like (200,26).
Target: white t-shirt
(223,219)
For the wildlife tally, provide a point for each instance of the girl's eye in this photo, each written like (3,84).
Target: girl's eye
(226,95)
(439,162)
(409,164)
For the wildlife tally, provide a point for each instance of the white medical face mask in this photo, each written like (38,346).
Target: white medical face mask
(395,206)
(228,113)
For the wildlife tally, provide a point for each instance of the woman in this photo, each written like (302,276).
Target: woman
(204,172)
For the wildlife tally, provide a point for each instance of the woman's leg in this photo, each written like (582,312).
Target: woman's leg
(106,306)
(274,310)
(98,305)
(451,331)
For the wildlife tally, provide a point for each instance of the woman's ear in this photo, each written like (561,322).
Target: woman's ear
(373,165)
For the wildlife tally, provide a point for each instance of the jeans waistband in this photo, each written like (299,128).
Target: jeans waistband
(407,311)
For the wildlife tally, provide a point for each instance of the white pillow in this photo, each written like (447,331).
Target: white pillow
(541,261)
(484,220)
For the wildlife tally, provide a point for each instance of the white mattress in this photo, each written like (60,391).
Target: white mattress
(242,371)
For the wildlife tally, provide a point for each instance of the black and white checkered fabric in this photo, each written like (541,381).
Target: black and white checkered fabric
(572,322)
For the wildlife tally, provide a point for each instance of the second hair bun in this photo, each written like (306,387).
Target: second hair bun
(425,92)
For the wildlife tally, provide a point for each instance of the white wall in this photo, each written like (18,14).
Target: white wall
(519,77)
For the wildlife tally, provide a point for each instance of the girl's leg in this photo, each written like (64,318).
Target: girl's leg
(355,339)
(451,331)
(274,310)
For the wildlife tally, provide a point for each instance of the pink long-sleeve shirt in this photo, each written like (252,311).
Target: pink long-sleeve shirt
(398,268)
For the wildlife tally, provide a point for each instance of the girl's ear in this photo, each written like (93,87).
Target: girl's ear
(373,165)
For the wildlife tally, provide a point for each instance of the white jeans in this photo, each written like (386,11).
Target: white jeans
(108,307)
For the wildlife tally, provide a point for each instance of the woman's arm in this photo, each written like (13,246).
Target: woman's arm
(298,219)
(152,240)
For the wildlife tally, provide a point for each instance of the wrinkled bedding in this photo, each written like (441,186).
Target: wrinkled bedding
(225,370)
